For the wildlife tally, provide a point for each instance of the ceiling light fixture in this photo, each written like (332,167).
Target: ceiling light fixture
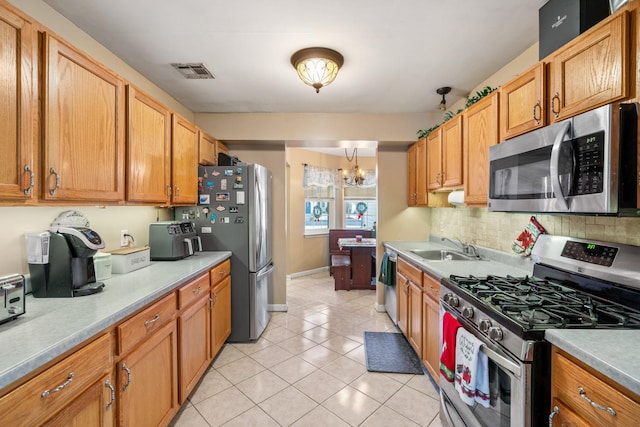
(317,66)
(443,91)
(355,175)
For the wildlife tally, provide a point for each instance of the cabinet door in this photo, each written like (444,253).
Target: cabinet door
(421,172)
(565,417)
(148,381)
(415,317)
(591,70)
(431,336)
(480,129)
(434,160)
(17,108)
(83,127)
(148,149)
(411,175)
(522,107)
(184,162)
(452,174)
(94,407)
(220,315)
(194,336)
(207,149)
(402,286)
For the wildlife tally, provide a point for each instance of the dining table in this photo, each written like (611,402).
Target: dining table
(361,251)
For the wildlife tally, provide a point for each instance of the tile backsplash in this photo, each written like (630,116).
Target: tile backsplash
(497,229)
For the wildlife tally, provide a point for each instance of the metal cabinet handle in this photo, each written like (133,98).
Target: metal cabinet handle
(537,108)
(583,394)
(196,291)
(128,371)
(215,299)
(52,171)
(553,104)
(60,387)
(177,191)
(113,393)
(147,323)
(27,190)
(553,414)
(169,190)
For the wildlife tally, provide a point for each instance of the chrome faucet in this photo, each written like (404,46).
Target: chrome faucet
(467,248)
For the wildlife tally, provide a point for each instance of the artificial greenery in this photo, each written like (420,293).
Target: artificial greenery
(422,133)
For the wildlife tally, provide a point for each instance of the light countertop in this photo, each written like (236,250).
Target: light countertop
(52,326)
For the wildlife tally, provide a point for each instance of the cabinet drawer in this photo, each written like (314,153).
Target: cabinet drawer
(193,290)
(41,397)
(220,271)
(431,287)
(412,273)
(143,324)
(568,377)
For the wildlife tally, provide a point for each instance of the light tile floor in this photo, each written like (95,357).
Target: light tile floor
(309,369)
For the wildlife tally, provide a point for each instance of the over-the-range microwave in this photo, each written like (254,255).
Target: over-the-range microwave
(587,164)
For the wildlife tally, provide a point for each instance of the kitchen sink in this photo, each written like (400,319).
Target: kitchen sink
(443,255)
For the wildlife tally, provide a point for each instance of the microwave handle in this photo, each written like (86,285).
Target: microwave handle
(554,167)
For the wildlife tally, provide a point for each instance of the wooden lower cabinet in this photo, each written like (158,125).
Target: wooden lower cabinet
(402,286)
(431,326)
(574,383)
(68,393)
(148,381)
(415,316)
(220,314)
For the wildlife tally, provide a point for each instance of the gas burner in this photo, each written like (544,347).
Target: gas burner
(533,316)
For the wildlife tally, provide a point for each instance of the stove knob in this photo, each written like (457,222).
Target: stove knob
(451,299)
(495,333)
(467,312)
(484,325)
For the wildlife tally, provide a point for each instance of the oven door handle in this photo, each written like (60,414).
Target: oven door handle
(502,361)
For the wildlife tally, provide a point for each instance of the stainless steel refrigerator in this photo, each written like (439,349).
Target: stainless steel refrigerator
(234,214)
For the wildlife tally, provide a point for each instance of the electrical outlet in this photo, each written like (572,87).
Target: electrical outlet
(124,239)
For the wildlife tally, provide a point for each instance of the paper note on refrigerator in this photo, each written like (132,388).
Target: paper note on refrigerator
(240,198)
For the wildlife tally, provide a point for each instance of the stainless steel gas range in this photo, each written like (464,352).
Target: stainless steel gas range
(575,284)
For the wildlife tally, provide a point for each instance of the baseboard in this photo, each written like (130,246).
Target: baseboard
(307,273)
(277,307)
(380,308)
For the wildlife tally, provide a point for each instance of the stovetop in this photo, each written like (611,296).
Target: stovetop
(538,304)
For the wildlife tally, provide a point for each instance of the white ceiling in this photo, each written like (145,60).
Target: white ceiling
(397,53)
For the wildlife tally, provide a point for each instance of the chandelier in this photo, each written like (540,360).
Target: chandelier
(354,175)
(317,66)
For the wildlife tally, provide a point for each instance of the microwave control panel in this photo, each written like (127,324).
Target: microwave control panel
(589,168)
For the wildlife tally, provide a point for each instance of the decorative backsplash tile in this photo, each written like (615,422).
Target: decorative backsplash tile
(497,229)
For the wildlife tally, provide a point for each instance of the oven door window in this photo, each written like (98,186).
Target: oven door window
(504,392)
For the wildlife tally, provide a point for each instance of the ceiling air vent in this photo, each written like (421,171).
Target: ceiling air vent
(195,70)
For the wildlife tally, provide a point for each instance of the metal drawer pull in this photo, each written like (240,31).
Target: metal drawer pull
(60,387)
(152,321)
(583,394)
(197,290)
(27,190)
(124,368)
(113,393)
(553,414)
(537,108)
(52,171)
(555,112)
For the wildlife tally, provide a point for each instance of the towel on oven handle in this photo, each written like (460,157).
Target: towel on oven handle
(467,369)
(450,326)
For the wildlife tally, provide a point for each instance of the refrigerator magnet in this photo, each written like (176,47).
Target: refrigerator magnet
(204,199)
(228,172)
(238,185)
(233,209)
(206,211)
(220,208)
(223,184)
(240,198)
(222,197)
(225,220)
(213,218)
(200,187)
(215,173)
(239,171)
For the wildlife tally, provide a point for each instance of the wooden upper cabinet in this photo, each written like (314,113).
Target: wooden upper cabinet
(207,149)
(591,70)
(184,161)
(434,159)
(411,175)
(480,132)
(522,103)
(421,172)
(83,127)
(452,174)
(148,149)
(17,108)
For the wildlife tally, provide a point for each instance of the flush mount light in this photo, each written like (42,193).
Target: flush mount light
(443,91)
(317,66)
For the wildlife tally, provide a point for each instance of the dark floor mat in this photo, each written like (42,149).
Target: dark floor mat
(390,352)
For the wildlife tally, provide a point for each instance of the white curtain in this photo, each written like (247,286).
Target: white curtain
(320,182)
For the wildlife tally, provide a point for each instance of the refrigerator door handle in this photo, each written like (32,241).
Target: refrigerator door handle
(266,272)
(259,215)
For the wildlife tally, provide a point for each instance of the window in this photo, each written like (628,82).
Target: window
(319,195)
(360,214)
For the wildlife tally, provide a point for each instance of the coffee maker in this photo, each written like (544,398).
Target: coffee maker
(61,260)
